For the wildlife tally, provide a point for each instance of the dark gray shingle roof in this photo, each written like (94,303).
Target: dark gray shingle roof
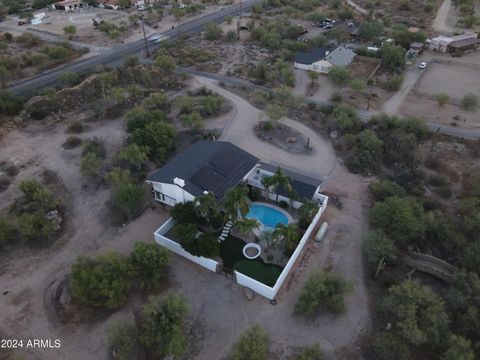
(214,166)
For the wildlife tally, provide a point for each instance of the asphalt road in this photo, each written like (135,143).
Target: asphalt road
(117,54)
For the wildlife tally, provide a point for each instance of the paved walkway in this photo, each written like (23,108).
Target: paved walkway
(239,131)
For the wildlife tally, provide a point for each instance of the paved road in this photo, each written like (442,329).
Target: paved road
(363,115)
(117,54)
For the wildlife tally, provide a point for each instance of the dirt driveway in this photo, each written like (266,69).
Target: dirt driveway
(240,132)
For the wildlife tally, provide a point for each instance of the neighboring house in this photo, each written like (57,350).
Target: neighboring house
(469,44)
(116,4)
(205,166)
(463,42)
(68,5)
(321,60)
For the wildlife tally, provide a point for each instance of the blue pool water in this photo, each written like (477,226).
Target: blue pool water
(267,215)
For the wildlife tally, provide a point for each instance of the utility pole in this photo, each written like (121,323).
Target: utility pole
(144,33)
(239,23)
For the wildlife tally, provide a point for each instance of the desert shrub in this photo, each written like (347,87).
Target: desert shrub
(394,83)
(442,98)
(252,345)
(101,282)
(470,102)
(231,36)
(387,346)
(149,263)
(378,246)
(57,52)
(35,227)
(129,199)
(10,104)
(158,137)
(192,120)
(90,165)
(72,142)
(28,40)
(7,231)
(164,332)
(213,31)
(95,146)
(69,79)
(76,127)
(385,188)
(322,291)
(309,353)
(122,339)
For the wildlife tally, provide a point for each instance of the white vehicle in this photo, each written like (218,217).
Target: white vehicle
(422,65)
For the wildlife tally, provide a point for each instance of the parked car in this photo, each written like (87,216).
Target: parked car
(21,23)
(422,65)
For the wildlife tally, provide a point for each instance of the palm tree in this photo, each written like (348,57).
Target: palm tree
(206,206)
(308,210)
(280,180)
(246,226)
(236,203)
(290,235)
(266,182)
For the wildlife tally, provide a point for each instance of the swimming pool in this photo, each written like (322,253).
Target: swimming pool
(268,215)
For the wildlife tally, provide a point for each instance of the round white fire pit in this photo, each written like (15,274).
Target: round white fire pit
(252,251)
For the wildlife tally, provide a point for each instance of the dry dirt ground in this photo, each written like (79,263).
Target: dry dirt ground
(457,78)
(219,310)
(413,16)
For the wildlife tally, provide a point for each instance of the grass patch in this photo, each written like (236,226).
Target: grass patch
(231,252)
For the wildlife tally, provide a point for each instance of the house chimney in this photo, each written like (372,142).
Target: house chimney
(179,182)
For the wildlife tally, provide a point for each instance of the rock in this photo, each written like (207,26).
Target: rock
(291,139)
(249,294)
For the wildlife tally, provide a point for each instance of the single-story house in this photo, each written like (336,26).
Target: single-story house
(69,5)
(468,44)
(321,60)
(443,43)
(205,166)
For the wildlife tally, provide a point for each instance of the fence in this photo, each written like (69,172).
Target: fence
(175,247)
(271,292)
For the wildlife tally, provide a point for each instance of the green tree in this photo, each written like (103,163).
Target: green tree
(246,225)
(459,348)
(70,31)
(279,181)
(393,57)
(252,345)
(35,227)
(192,120)
(90,165)
(163,330)
(211,105)
(157,101)
(307,212)
(309,353)
(165,63)
(36,196)
(385,188)
(149,263)
(274,113)
(370,30)
(68,79)
(213,31)
(290,236)
(400,218)
(417,313)
(463,300)
(378,247)
(101,282)
(122,338)
(159,137)
(236,203)
(139,117)
(132,157)
(206,206)
(322,290)
(387,346)
(129,198)
(10,104)
(340,75)
(313,75)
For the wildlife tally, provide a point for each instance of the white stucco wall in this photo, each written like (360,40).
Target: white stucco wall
(271,292)
(175,247)
(173,191)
